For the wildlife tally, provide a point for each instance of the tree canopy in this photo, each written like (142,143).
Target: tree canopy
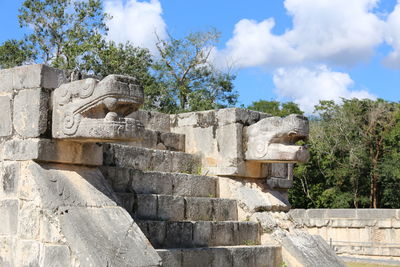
(65,33)
(71,35)
(276,108)
(14,53)
(186,71)
(353,148)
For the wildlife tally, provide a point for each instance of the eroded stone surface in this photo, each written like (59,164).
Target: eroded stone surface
(5,116)
(30,112)
(80,211)
(253,196)
(355,232)
(9,216)
(56,256)
(310,250)
(9,178)
(7,251)
(151,120)
(51,150)
(150,159)
(31,76)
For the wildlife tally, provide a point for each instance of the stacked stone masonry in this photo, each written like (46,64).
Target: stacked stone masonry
(371,233)
(63,214)
(87,179)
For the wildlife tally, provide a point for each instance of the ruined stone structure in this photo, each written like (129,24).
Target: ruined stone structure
(363,233)
(87,179)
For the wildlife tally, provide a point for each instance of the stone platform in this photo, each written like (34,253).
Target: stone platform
(88,179)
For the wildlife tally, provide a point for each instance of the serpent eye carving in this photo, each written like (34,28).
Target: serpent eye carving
(64,95)
(261,148)
(71,123)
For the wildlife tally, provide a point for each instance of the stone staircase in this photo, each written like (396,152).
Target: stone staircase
(180,212)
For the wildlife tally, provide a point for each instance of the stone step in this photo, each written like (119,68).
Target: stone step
(161,183)
(150,159)
(170,234)
(176,208)
(234,256)
(162,141)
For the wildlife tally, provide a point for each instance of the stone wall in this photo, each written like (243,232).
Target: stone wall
(63,214)
(58,209)
(355,232)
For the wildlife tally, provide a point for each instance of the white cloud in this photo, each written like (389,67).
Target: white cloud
(137,22)
(393,38)
(253,44)
(306,86)
(338,32)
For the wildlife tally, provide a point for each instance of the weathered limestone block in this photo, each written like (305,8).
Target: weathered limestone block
(159,140)
(31,76)
(29,220)
(149,159)
(9,216)
(237,256)
(58,185)
(93,110)
(152,120)
(30,112)
(6,81)
(177,208)
(376,213)
(53,151)
(172,141)
(6,127)
(252,196)
(162,183)
(9,178)
(79,220)
(56,256)
(109,238)
(28,253)
(7,251)
(281,176)
(239,115)
(300,248)
(309,250)
(282,170)
(171,234)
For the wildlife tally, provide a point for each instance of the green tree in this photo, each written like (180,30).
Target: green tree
(66,33)
(69,34)
(191,80)
(389,182)
(349,149)
(14,53)
(276,108)
(126,59)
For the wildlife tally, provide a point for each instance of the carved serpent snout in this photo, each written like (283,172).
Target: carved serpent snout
(273,139)
(92,110)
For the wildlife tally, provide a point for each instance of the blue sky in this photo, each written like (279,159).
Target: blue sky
(292,50)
